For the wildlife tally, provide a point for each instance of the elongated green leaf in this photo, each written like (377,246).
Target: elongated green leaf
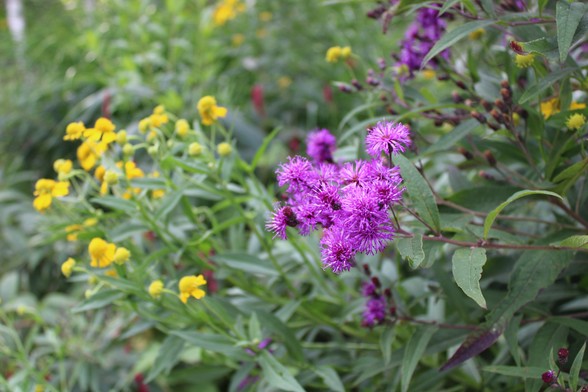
(494,213)
(467,267)
(330,378)
(167,357)
(212,342)
(576,367)
(99,300)
(262,149)
(189,165)
(278,328)
(277,375)
(515,371)
(169,202)
(567,18)
(115,203)
(575,241)
(419,191)
(246,263)
(149,183)
(386,340)
(413,352)
(452,37)
(544,84)
(571,171)
(488,6)
(448,140)
(411,249)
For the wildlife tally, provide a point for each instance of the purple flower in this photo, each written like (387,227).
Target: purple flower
(374,311)
(369,289)
(281,218)
(357,173)
(321,145)
(387,137)
(337,251)
(298,173)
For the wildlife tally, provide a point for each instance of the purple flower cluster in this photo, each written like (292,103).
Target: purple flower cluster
(349,201)
(376,305)
(419,38)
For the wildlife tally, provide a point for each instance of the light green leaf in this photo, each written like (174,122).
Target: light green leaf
(115,203)
(515,371)
(411,249)
(261,151)
(567,18)
(448,140)
(212,342)
(488,6)
(467,267)
(99,300)
(247,263)
(575,241)
(571,171)
(254,328)
(167,357)
(413,352)
(330,378)
(277,375)
(494,213)
(386,340)
(419,191)
(277,327)
(544,84)
(451,38)
(576,367)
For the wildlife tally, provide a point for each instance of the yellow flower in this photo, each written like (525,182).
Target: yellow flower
(194,149)
(284,82)
(237,40)
(121,255)
(46,190)
(67,267)
(111,272)
(265,16)
(110,177)
(39,388)
(345,52)
(524,60)
(157,193)
(209,111)
(157,120)
(182,127)
(144,124)
(103,130)
(131,170)
(89,152)
(576,121)
(333,54)
(63,166)
(159,109)
(128,149)
(224,149)
(99,173)
(428,74)
(155,289)
(189,286)
(73,230)
(121,137)
(101,253)
(516,119)
(476,34)
(576,105)
(74,131)
(227,10)
(551,107)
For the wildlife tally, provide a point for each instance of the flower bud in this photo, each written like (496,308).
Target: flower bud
(467,155)
(128,149)
(506,96)
(355,83)
(110,177)
(490,158)
(456,97)
(194,149)
(496,115)
(461,85)
(121,255)
(224,149)
(501,105)
(562,355)
(548,377)
(155,289)
(67,267)
(376,281)
(486,105)
(480,117)
(121,137)
(152,150)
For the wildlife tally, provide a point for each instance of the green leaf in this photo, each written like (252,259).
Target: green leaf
(264,145)
(545,46)
(571,171)
(386,340)
(115,203)
(419,191)
(169,202)
(277,327)
(212,342)
(167,357)
(567,18)
(411,249)
(544,84)
(247,263)
(99,300)
(494,213)
(149,183)
(413,352)
(450,139)
(467,267)
(330,378)
(576,367)
(277,375)
(254,329)
(451,38)
(189,165)
(515,371)
(488,6)
(575,241)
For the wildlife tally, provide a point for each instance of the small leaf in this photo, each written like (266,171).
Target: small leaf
(515,371)
(450,139)
(386,340)
(99,300)
(411,249)
(571,171)
(413,352)
(576,367)
(419,191)
(467,270)
(575,241)
(247,263)
(494,213)
(169,202)
(277,375)
(167,357)
(451,38)
(115,203)
(567,18)
(544,84)
(254,328)
(330,378)
(261,151)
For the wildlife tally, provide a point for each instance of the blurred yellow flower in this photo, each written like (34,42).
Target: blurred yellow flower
(524,60)
(155,289)
(89,152)
(157,193)
(336,53)
(476,34)
(159,109)
(63,166)
(209,111)
(121,255)
(428,74)
(74,131)
(224,149)
(576,121)
(284,82)
(103,130)
(551,107)
(46,189)
(101,253)
(227,10)
(182,127)
(67,267)
(157,120)
(237,39)
(189,287)
(265,16)
(73,230)
(144,124)
(121,137)
(131,170)
(194,149)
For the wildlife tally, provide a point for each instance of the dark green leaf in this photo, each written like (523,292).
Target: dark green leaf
(330,378)
(515,371)
(413,352)
(544,84)
(99,300)
(277,375)
(576,367)
(411,249)
(167,357)
(567,18)
(467,264)
(448,140)
(116,204)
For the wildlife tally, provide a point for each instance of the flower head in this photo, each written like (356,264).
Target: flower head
(62,166)
(336,53)
(155,289)
(281,218)
(227,10)
(88,153)
(182,127)
(209,111)
(387,137)
(101,253)
(337,251)
(103,130)
(524,60)
(224,149)
(46,190)
(67,267)
(121,255)
(321,145)
(375,311)
(576,121)
(74,131)
(190,287)
(195,149)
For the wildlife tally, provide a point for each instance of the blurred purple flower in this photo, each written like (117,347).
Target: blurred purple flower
(374,312)
(320,146)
